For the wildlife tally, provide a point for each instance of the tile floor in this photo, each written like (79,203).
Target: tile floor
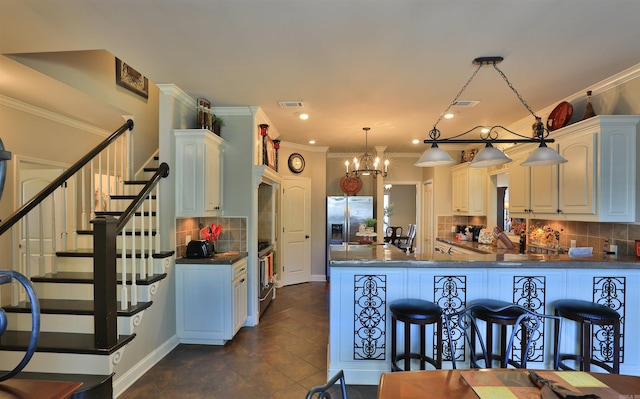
(282,357)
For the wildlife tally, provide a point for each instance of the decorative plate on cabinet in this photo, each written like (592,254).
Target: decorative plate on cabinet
(350,185)
(560,116)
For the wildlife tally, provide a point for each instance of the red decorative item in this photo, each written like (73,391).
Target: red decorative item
(350,185)
(264,129)
(560,116)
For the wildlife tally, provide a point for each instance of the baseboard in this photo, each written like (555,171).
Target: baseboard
(133,374)
(319,277)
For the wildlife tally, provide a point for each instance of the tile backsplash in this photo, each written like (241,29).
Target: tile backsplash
(232,238)
(586,234)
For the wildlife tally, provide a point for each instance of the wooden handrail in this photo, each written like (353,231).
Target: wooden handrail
(32,203)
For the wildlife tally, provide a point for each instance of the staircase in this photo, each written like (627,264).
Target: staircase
(92,296)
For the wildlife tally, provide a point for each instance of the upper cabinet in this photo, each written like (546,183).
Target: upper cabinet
(598,183)
(468,190)
(198,172)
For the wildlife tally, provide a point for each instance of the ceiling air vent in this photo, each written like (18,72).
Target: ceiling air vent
(290,104)
(465,103)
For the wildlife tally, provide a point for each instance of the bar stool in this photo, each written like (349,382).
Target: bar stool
(586,314)
(419,312)
(503,318)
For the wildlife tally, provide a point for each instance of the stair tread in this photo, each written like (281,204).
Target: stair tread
(87,278)
(129,233)
(127,196)
(118,213)
(72,306)
(88,253)
(59,342)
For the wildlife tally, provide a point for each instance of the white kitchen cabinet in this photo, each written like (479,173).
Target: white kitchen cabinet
(598,183)
(198,172)
(211,301)
(468,190)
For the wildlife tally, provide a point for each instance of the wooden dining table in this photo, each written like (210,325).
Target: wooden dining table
(448,384)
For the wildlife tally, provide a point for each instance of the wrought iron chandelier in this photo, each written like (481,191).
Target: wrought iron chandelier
(366,164)
(489,155)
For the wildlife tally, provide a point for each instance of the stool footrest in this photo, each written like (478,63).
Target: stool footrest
(401,357)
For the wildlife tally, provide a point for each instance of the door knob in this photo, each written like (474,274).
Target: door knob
(306,236)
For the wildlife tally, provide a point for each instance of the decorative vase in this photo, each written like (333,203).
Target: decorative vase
(588,110)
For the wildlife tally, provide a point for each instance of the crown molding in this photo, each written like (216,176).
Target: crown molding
(52,116)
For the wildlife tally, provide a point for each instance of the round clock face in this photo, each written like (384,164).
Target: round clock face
(296,163)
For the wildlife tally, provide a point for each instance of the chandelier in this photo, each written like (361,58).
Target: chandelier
(366,164)
(489,155)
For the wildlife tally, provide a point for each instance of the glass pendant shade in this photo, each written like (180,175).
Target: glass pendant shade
(434,156)
(543,156)
(489,156)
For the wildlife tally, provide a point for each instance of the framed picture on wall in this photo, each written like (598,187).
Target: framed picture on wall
(468,155)
(131,79)
(270,153)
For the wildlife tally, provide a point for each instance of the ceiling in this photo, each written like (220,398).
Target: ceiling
(392,65)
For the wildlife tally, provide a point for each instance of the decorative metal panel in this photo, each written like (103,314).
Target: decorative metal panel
(610,292)
(450,292)
(370,299)
(529,292)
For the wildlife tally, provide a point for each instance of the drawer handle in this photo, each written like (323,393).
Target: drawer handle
(242,281)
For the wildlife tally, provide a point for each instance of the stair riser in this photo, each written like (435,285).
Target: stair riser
(86,241)
(75,264)
(84,291)
(66,363)
(122,204)
(80,324)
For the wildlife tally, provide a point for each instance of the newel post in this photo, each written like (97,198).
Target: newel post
(105,281)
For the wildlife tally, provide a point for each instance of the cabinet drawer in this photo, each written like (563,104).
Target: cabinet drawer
(240,269)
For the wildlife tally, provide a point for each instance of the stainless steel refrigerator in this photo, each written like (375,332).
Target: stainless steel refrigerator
(345,214)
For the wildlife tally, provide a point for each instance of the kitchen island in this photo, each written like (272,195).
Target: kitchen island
(365,279)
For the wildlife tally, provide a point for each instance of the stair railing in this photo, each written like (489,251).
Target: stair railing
(105,232)
(104,242)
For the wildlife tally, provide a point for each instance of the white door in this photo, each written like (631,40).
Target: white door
(428,219)
(41,225)
(296,231)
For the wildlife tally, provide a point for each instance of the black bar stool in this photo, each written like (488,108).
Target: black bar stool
(586,314)
(503,318)
(420,312)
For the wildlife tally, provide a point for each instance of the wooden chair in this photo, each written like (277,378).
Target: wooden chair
(392,234)
(461,330)
(406,243)
(325,391)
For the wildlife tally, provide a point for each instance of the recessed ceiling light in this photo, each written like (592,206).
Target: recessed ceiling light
(312,141)
(303,116)
(448,116)
(415,141)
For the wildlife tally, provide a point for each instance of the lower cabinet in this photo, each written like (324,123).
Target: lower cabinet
(211,301)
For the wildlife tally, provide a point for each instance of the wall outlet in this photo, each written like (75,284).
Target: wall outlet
(453,229)
(188,239)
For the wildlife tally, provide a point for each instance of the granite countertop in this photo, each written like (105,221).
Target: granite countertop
(387,255)
(480,248)
(223,258)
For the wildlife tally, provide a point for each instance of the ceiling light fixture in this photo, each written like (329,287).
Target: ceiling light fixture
(366,164)
(490,156)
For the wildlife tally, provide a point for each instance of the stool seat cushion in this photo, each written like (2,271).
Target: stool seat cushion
(417,309)
(510,314)
(586,310)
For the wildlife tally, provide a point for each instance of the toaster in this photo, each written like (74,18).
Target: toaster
(200,249)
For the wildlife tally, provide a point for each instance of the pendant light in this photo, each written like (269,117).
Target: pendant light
(489,155)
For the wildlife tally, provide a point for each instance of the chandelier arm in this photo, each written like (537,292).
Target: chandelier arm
(522,100)
(457,95)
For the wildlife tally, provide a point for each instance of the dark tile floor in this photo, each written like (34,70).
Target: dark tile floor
(282,357)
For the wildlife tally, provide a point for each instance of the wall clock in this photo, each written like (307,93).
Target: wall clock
(296,163)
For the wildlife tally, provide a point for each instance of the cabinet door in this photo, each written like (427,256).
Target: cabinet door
(212,181)
(477,183)
(519,187)
(189,175)
(239,302)
(577,176)
(544,189)
(460,193)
